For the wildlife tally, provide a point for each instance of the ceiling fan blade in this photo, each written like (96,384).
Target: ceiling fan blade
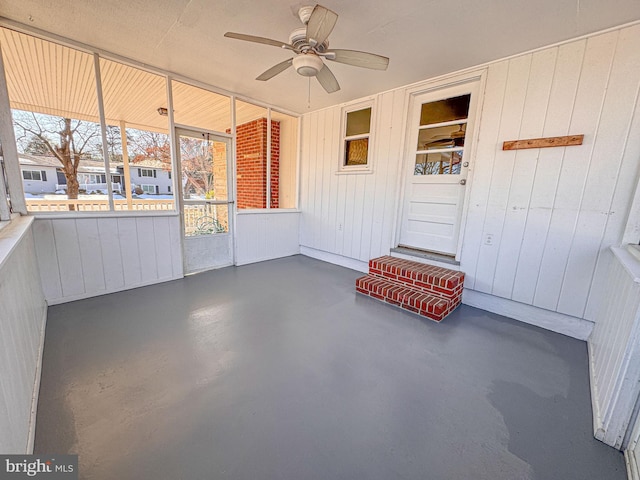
(358,59)
(320,25)
(254,39)
(275,70)
(327,80)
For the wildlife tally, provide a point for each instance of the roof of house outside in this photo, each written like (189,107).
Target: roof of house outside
(87,166)
(150,163)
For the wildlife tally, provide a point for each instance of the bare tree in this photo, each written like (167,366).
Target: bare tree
(66,139)
(150,145)
(197,165)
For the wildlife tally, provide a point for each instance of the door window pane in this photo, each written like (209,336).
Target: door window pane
(455,108)
(441,163)
(449,136)
(205,219)
(204,168)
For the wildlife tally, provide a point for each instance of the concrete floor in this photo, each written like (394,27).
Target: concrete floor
(279,370)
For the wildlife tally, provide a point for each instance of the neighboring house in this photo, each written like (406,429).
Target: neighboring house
(38,174)
(152,176)
(43,174)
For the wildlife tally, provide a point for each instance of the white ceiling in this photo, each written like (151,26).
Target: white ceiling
(423,38)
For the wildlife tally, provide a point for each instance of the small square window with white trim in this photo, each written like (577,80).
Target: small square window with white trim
(356,136)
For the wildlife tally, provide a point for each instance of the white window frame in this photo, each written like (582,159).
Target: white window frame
(153,187)
(31,172)
(368,167)
(146,172)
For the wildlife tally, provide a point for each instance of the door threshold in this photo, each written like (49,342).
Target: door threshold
(426,255)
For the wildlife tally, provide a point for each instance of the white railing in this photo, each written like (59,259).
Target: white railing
(99,204)
(92,187)
(205,218)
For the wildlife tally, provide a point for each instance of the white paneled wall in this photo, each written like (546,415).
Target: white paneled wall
(552,212)
(22,319)
(351,215)
(614,350)
(84,257)
(265,235)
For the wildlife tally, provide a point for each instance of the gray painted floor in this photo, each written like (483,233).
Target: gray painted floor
(279,370)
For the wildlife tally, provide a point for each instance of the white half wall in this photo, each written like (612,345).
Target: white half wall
(82,257)
(23,313)
(614,352)
(264,235)
(552,213)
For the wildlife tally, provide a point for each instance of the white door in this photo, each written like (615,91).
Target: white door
(207,201)
(438,161)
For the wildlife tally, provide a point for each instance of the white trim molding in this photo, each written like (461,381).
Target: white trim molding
(346,262)
(574,327)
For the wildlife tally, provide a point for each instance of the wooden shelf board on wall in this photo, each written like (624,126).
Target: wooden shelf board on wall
(546,142)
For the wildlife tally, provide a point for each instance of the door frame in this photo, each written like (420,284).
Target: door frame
(442,83)
(187,130)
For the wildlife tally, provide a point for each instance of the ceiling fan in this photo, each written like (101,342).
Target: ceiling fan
(310,45)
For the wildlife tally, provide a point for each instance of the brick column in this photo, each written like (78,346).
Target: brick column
(251,163)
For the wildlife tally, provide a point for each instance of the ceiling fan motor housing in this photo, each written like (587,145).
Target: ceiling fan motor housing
(307,65)
(304,13)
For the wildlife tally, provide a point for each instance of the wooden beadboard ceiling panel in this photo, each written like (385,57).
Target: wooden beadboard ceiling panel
(200,108)
(422,39)
(48,78)
(133,96)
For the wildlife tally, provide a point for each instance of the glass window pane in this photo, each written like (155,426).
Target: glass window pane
(204,168)
(205,219)
(132,99)
(356,151)
(442,137)
(197,107)
(442,163)
(455,108)
(52,92)
(284,148)
(251,155)
(359,122)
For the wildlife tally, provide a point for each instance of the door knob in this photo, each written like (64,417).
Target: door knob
(463,182)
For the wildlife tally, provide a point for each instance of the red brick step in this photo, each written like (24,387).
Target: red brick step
(427,290)
(436,280)
(406,297)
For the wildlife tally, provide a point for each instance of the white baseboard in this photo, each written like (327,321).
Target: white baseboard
(82,296)
(556,322)
(31,438)
(598,429)
(249,261)
(347,262)
(633,469)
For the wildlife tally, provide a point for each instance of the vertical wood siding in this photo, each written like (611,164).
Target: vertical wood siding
(552,212)
(84,257)
(614,348)
(22,315)
(264,236)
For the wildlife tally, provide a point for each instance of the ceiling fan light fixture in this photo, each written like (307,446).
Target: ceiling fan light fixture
(307,65)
